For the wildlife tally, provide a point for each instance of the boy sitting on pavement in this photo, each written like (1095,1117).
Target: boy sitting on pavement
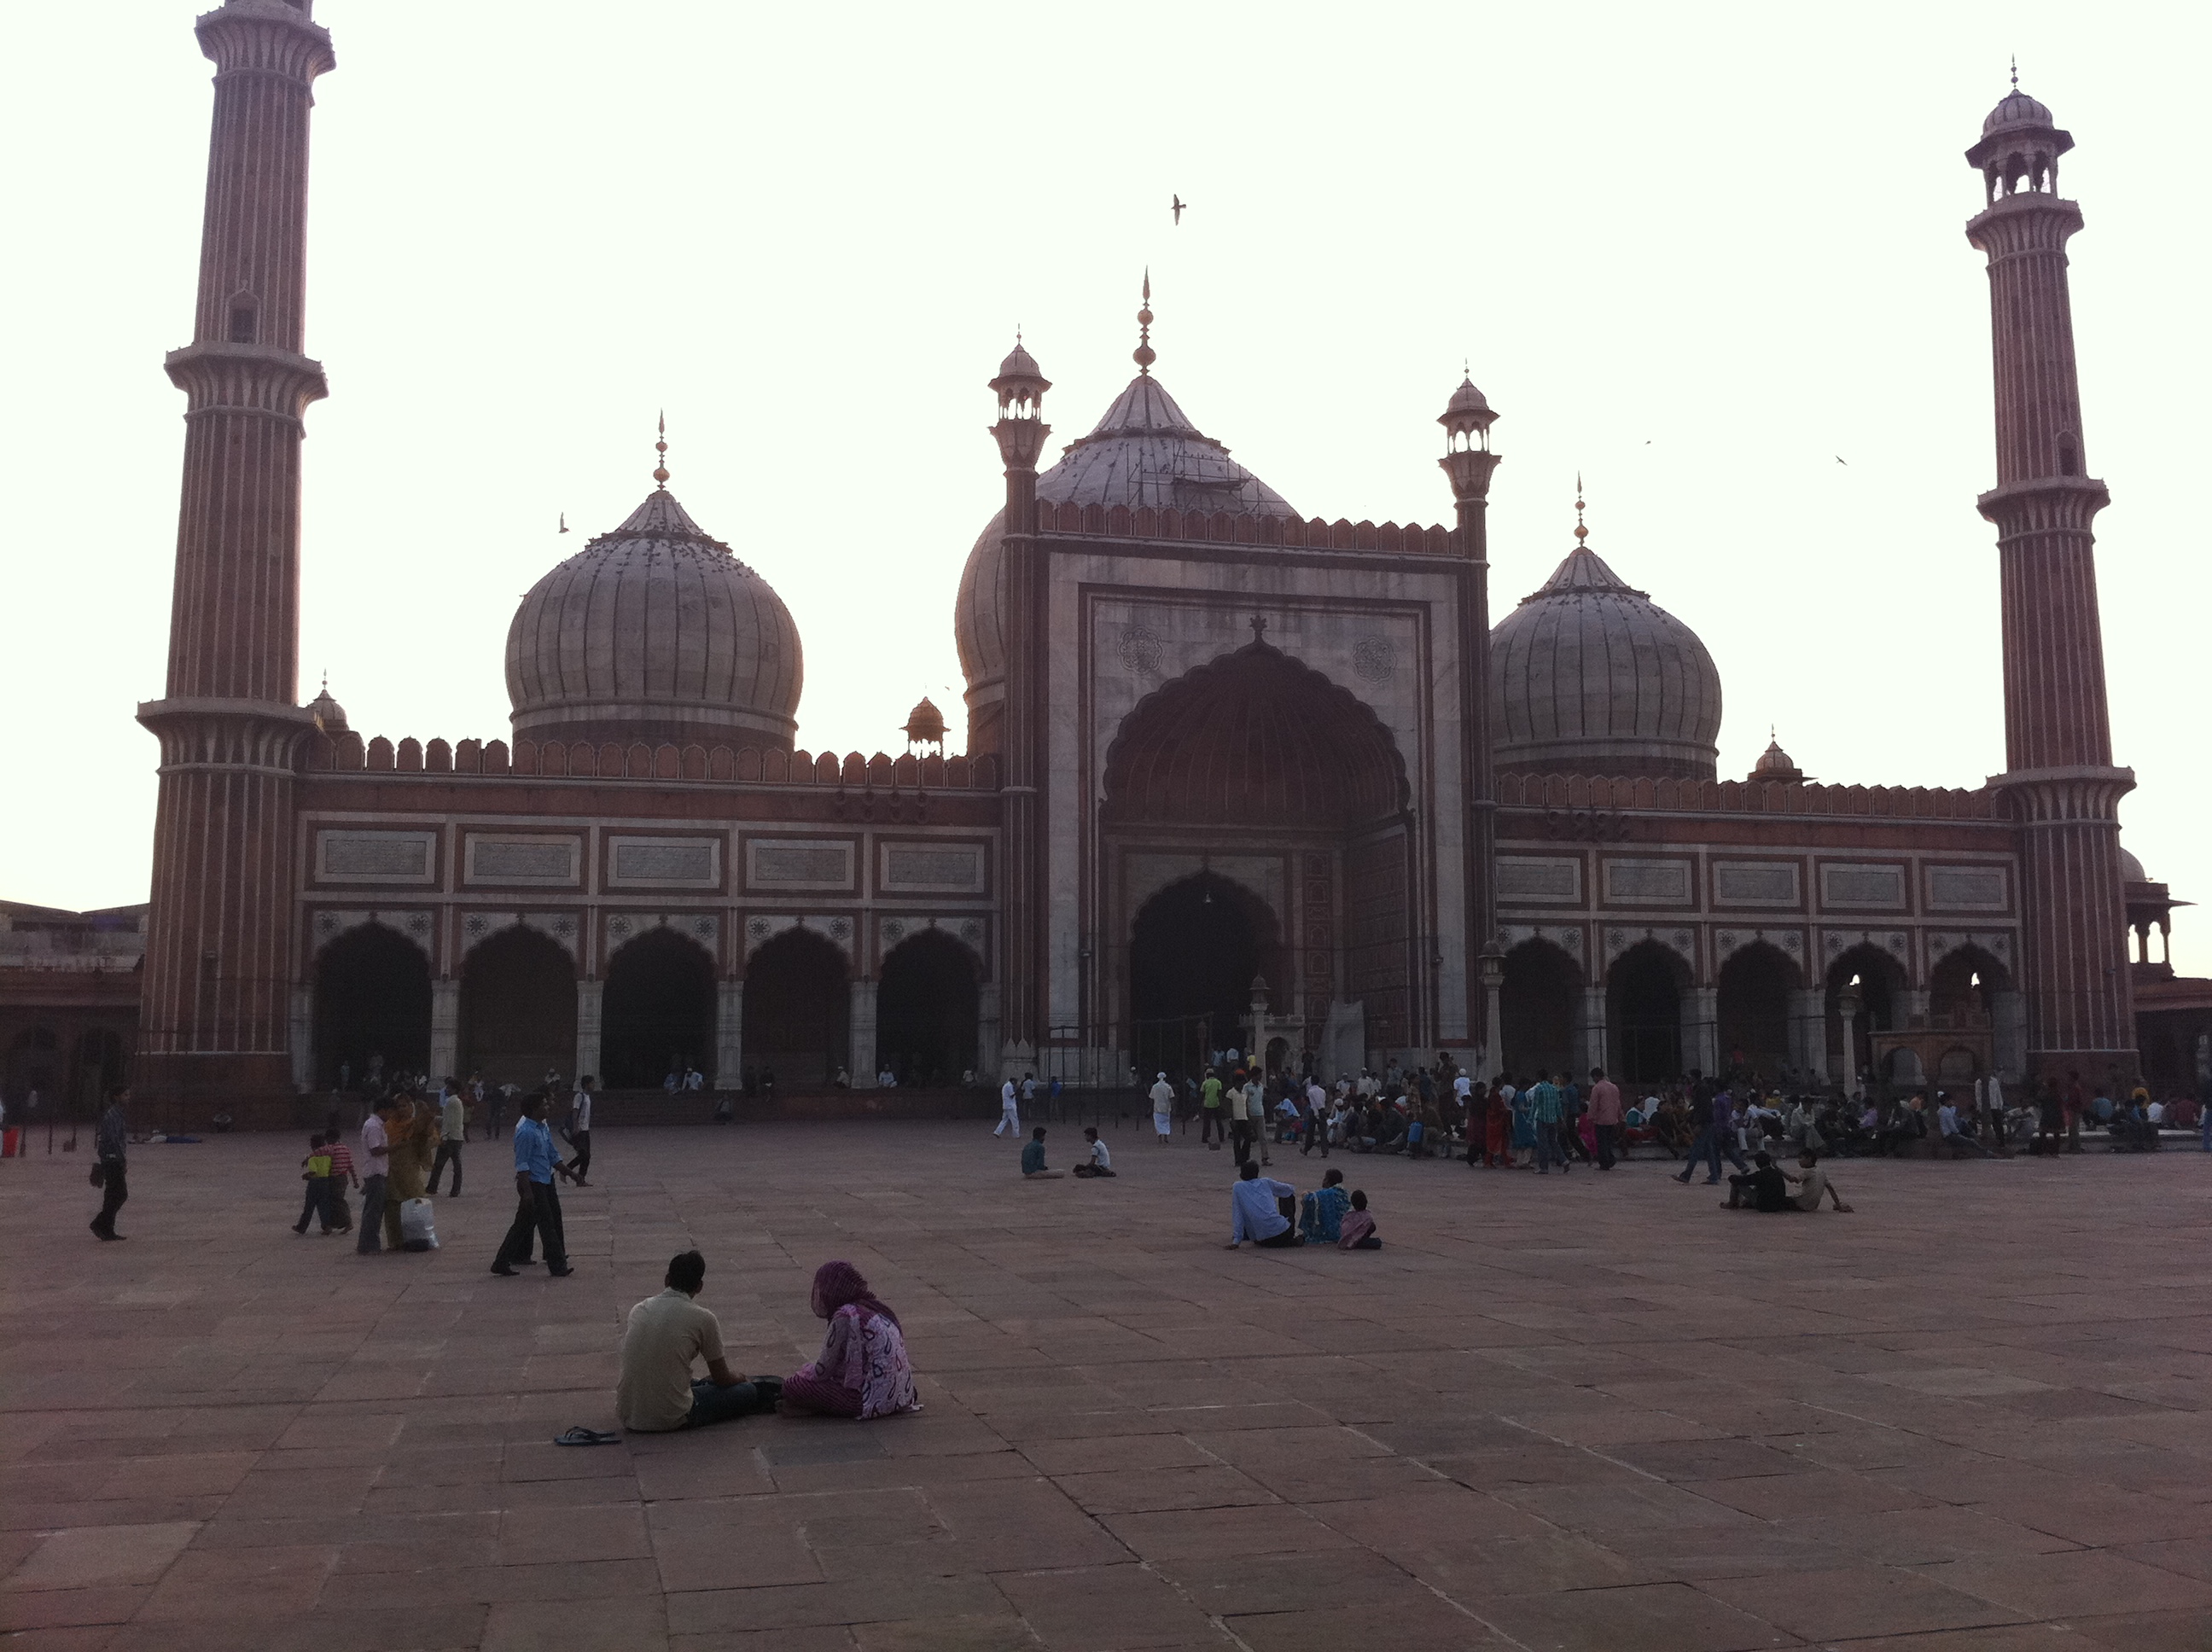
(1358,1231)
(1033,1159)
(1101,1163)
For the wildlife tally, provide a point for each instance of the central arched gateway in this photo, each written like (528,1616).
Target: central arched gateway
(1255,821)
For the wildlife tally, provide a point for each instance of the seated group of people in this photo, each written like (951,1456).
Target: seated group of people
(1259,1210)
(1097,1162)
(862,1370)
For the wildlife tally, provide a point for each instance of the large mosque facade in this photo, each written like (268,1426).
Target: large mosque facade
(1234,775)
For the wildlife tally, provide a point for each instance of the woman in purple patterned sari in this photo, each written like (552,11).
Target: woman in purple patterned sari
(863,1369)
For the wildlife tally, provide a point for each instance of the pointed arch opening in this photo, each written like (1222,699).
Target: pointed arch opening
(1643,1010)
(372,1007)
(1754,1008)
(797,1010)
(1197,947)
(518,1008)
(1536,1008)
(657,1010)
(926,997)
(1880,982)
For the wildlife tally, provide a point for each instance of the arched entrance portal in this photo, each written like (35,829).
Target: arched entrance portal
(518,1008)
(798,1009)
(1256,757)
(1755,1011)
(657,1011)
(372,1001)
(1879,981)
(1643,1008)
(925,1006)
(1199,944)
(1536,1004)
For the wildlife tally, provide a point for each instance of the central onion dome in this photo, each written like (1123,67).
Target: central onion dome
(1144,452)
(656,632)
(1590,676)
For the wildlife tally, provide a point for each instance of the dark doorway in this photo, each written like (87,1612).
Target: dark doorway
(1198,945)
(1755,1011)
(372,999)
(103,1065)
(798,1009)
(657,1011)
(1536,1004)
(518,1008)
(926,1004)
(1644,1007)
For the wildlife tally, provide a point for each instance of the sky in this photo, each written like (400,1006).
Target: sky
(1709,257)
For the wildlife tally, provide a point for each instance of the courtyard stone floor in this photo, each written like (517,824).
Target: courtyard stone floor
(1590,1412)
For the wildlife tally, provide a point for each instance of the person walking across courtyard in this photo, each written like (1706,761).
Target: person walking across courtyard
(110,1170)
(1605,1116)
(1010,1112)
(1163,1096)
(1209,1120)
(537,1204)
(579,1169)
(452,1131)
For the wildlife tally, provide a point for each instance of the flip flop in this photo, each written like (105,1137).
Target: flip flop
(581,1437)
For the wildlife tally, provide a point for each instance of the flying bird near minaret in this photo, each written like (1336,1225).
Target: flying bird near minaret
(1180,204)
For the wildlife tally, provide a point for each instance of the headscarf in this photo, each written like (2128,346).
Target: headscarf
(839,1284)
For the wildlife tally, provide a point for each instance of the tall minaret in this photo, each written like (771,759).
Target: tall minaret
(2061,784)
(1468,461)
(214,1012)
(1020,433)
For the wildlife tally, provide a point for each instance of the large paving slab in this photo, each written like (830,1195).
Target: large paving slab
(1589,1411)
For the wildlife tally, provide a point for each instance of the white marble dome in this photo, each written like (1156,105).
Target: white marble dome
(656,632)
(1591,676)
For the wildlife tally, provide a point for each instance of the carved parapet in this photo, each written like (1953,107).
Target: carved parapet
(747,765)
(1240,528)
(1666,794)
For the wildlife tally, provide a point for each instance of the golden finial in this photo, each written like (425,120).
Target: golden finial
(660,465)
(1143,354)
(1582,534)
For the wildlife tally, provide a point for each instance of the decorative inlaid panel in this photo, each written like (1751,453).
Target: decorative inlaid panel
(797,863)
(1755,883)
(376,857)
(532,859)
(1657,883)
(954,867)
(1844,885)
(1530,877)
(1967,888)
(664,862)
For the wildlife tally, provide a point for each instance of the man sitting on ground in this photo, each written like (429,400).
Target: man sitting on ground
(1101,1163)
(1254,1214)
(1946,1117)
(657,1393)
(1814,1183)
(1322,1215)
(1763,1187)
(1033,1159)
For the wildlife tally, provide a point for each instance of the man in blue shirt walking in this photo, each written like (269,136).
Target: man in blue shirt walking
(538,1205)
(1548,1103)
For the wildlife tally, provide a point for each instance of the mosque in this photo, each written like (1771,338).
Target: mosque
(1234,775)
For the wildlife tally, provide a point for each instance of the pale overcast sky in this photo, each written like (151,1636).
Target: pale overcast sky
(1700,252)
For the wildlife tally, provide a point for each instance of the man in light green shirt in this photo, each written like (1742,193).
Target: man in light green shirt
(1210,1119)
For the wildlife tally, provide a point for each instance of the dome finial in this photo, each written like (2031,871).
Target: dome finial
(661,464)
(1143,354)
(1582,534)
(2015,71)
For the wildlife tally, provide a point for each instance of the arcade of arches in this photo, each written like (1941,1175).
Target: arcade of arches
(1255,757)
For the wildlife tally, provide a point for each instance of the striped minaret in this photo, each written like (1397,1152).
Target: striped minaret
(2060,783)
(214,1011)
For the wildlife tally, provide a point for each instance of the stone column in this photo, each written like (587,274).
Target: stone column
(303,1039)
(445,1027)
(1809,1033)
(987,1029)
(1592,1031)
(1701,1032)
(863,1025)
(730,1035)
(1493,1055)
(587,1029)
(2009,1028)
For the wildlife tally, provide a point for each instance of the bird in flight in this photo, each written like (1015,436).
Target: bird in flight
(1180,204)
(1842,461)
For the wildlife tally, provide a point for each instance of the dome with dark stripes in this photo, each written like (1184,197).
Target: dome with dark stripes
(656,632)
(1591,676)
